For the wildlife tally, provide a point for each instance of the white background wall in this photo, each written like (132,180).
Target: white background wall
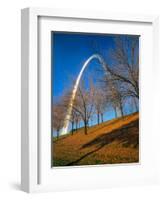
(10,97)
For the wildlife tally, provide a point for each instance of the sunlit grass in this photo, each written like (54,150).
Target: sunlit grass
(111,142)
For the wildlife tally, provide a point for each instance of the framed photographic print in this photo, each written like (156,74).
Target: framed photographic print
(86,95)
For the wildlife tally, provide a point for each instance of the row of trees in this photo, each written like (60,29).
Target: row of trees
(118,86)
(88,103)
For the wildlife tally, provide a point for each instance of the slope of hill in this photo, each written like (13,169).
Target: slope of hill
(114,141)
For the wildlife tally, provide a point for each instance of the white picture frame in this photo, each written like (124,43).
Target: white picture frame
(36,171)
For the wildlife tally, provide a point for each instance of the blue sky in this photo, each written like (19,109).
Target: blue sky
(70,51)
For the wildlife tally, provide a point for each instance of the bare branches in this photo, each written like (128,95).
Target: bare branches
(125,61)
(84,105)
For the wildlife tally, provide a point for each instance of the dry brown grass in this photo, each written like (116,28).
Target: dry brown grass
(114,141)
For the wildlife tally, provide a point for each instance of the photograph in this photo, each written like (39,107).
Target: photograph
(94,99)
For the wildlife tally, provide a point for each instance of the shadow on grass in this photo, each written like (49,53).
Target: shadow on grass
(87,154)
(127,136)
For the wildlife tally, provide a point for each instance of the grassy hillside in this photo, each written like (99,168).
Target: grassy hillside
(114,141)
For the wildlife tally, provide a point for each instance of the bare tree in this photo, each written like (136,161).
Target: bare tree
(100,102)
(72,119)
(114,95)
(75,119)
(124,67)
(84,105)
(57,117)
(122,75)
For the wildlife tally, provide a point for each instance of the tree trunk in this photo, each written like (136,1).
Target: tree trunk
(121,109)
(72,131)
(57,133)
(85,127)
(76,125)
(102,119)
(98,118)
(115,110)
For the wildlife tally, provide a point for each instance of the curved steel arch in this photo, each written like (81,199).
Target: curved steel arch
(69,111)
